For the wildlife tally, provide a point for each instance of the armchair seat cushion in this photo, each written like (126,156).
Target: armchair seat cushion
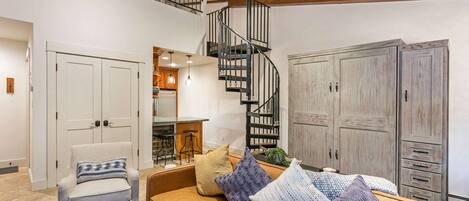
(116,189)
(186,194)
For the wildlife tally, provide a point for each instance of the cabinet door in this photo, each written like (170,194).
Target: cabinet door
(422,95)
(365,112)
(311,110)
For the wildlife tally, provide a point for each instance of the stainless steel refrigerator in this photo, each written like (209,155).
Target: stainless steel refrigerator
(165,104)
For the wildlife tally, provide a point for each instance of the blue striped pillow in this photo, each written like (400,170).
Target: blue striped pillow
(90,171)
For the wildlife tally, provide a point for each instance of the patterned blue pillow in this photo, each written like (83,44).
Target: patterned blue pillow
(292,185)
(90,171)
(357,191)
(333,184)
(246,179)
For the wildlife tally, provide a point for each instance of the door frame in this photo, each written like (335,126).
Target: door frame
(54,48)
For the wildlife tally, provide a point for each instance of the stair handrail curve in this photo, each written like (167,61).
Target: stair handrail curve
(254,48)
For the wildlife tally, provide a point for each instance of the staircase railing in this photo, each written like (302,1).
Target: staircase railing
(194,6)
(247,69)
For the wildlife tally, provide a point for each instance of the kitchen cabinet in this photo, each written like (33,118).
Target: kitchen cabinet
(163,78)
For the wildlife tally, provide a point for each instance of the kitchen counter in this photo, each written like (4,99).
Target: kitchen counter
(172,120)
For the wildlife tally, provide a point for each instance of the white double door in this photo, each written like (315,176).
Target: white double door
(97,102)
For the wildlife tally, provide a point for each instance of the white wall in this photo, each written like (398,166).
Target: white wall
(206,97)
(119,25)
(14,116)
(297,29)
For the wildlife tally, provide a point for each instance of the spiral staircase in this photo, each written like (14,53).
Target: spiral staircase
(247,70)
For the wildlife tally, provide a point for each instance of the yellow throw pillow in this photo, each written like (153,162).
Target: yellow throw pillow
(210,166)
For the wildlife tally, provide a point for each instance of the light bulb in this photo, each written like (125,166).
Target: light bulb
(188,81)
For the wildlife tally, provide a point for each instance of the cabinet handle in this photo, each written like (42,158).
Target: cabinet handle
(421,180)
(97,123)
(421,152)
(330,86)
(336,86)
(330,153)
(105,123)
(420,166)
(405,95)
(336,154)
(419,197)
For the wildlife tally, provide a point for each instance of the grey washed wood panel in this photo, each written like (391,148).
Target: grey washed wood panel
(310,144)
(419,194)
(365,112)
(423,166)
(422,152)
(311,110)
(422,83)
(419,179)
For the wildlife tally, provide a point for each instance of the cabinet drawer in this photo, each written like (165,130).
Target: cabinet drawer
(419,194)
(422,152)
(419,165)
(425,180)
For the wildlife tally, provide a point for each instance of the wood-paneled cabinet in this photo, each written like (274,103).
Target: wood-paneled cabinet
(424,121)
(163,79)
(342,109)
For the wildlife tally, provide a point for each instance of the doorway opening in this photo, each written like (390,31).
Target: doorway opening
(15,94)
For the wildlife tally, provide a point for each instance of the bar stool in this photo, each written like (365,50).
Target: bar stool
(188,148)
(164,147)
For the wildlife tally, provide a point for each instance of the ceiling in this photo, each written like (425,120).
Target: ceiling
(15,30)
(180,59)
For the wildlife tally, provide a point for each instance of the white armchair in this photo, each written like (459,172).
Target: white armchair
(116,189)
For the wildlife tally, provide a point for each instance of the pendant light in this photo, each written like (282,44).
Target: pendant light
(171,78)
(171,59)
(189,61)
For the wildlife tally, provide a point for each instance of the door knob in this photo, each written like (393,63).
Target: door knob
(106,123)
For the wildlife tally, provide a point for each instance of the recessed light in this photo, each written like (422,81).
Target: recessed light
(164,58)
(189,62)
(173,65)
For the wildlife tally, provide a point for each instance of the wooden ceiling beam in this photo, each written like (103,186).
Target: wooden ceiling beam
(239,3)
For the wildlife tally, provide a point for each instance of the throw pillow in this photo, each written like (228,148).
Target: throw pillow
(210,166)
(246,180)
(90,171)
(333,184)
(357,191)
(292,185)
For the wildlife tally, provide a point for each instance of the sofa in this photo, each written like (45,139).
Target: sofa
(115,189)
(179,184)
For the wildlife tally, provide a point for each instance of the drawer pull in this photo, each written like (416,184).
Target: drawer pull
(420,166)
(419,197)
(420,180)
(420,152)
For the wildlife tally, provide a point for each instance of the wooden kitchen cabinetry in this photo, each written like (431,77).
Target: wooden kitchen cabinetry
(198,141)
(163,78)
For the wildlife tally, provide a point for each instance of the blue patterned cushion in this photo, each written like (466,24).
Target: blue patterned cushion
(292,185)
(246,179)
(333,184)
(89,171)
(357,191)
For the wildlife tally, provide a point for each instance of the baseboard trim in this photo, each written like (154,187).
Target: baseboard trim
(458,197)
(147,164)
(235,150)
(39,185)
(19,162)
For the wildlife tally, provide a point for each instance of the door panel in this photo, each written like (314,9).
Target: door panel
(120,103)
(310,144)
(365,112)
(78,105)
(422,109)
(311,110)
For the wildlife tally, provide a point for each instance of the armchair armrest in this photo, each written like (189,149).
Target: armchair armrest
(133,180)
(66,185)
(169,180)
